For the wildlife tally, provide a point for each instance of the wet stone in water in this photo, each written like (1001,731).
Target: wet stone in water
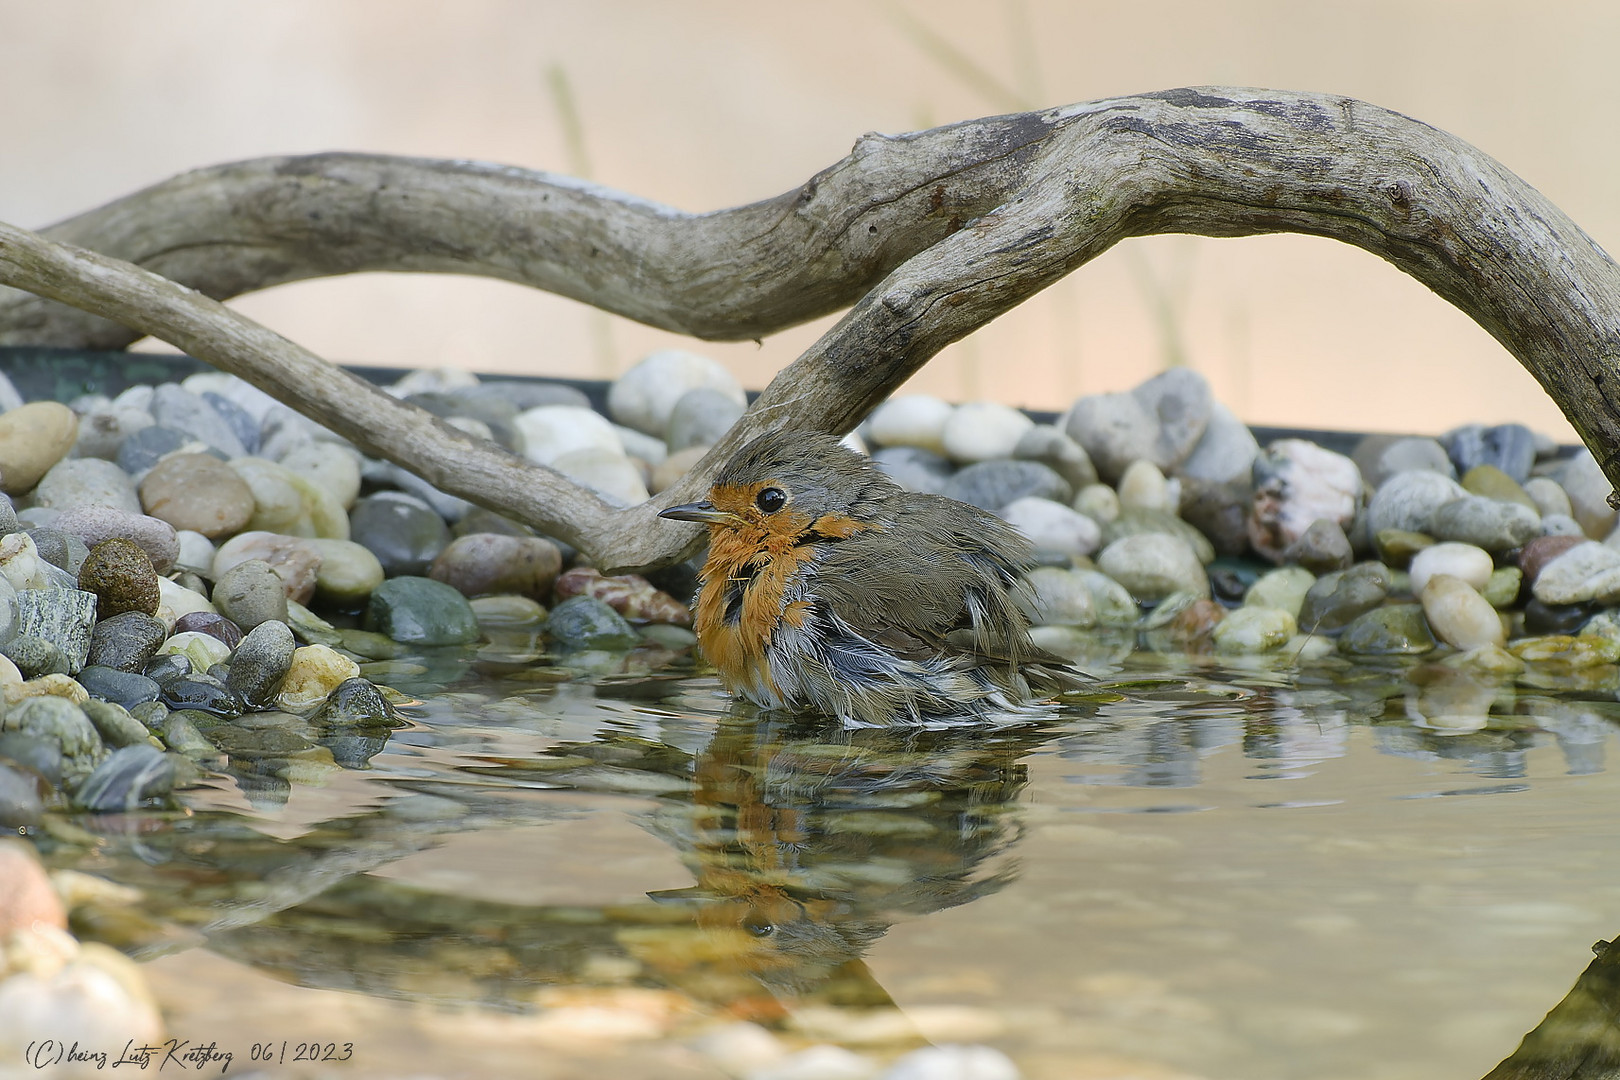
(583,622)
(356,702)
(1395,630)
(1336,599)
(421,611)
(37,753)
(315,672)
(167,668)
(261,663)
(130,778)
(1542,618)
(402,531)
(125,688)
(206,622)
(23,793)
(204,693)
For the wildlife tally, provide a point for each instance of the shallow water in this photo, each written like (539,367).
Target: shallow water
(1231,872)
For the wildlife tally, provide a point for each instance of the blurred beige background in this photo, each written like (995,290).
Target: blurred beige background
(707,104)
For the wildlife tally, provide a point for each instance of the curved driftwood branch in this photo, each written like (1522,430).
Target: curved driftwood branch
(929,235)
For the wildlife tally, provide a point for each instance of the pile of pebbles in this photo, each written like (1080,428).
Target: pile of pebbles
(193,570)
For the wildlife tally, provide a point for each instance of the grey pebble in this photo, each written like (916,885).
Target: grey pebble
(260,663)
(125,688)
(180,409)
(402,531)
(87,482)
(125,642)
(990,485)
(63,617)
(251,593)
(130,778)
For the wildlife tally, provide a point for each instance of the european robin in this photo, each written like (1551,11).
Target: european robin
(830,587)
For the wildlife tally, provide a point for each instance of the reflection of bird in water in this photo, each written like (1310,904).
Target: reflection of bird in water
(829,586)
(808,845)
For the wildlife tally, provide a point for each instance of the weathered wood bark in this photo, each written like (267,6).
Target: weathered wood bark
(929,236)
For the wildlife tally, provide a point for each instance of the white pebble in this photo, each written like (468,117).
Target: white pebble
(911,420)
(1283,588)
(1548,496)
(1465,561)
(550,431)
(983,431)
(1098,502)
(606,472)
(1143,487)
(20,563)
(1254,630)
(644,396)
(1459,615)
(1053,527)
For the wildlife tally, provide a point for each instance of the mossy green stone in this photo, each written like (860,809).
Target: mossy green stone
(1493,483)
(421,611)
(1394,630)
(583,622)
(1397,546)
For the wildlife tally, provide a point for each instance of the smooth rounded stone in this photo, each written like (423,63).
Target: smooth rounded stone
(103,430)
(152,714)
(347,572)
(1226,452)
(34,656)
(261,663)
(607,472)
(94,524)
(1503,587)
(1380,457)
(1144,487)
(1542,618)
(1562,525)
(421,611)
(1539,552)
(1485,660)
(315,671)
(145,448)
(1136,522)
(64,617)
(126,688)
(167,667)
(386,475)
(1487,523)
(1053,528)
(505,612)
(1588,491)
(8,611)
(631,595)
(983,431)
(1048,445)
(1297,483)
(1180,402)
(644,396)
(1398,547)
(56,719)
(483,563)
(250,593)
(1459,615)
(198,492)
(1154,565)
(23,792)
(1493,483)
(1469,562)
(243,425)
(668,472)
(1549,498)
(646,448)
(196,552)
(8,516)
(20,563)
(584,622)
(87,482)
(1283,589)
(175,601)
(700,417)
(121,577)
(32,439)
(202,651)
(1566,652)
(1338,598)
(1392,630)
(201,693)
(356,702)
(1220,511)
(401,530)
(916,420)
(551,431)
(1058,597)
(1588,571)
(1114,430)
(990,485)
(1099,502)
(234,389)
(129,779)
(278,502)
(1322,548)
(295,559)
(328,465)
(180,409)
(1407,501)
(914,468)
(1254,629)
(1510,448)
(1111,602)
(59,549)
(35,752)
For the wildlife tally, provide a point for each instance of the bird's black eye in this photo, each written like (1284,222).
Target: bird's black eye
(771,500)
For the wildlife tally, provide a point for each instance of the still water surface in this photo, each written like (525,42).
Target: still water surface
(1229,873)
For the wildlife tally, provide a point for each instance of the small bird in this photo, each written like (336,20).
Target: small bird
(829,586)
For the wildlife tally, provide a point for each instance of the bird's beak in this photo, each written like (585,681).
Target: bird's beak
(699,511)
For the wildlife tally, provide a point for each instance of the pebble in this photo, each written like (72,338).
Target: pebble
(631,595)
(915,468)
(1539,552)
(550,431)
(356,702)
(667,473)
(243,425)
(279,505)
(910,420)
(125,642)
(202,693)
(146,447)
(1226,452)
(250,593)
(1296,484)
(87,482)
(1132,522)
(1112,602)
(401,530)
(54,684)
(1392,630)
(125,688)
(58,720)
(32,439)
(1560,525)
(1143,487)
(1054,529)
(315,671)
(1254,629)
(1114,429)
(1549,498)
(607,472)
(332,467)
(119,574)
(1322,548)
(983,431)
(1283,589)
(1493,482)
(260,664)
(1588,571)
(177,601)
(1459,615)
(700,417)
(584,622)
(20,563)
(1407,501)
(1397,548)
(421,611)
(1154,565)
(180,409)
(346,572)
(202,651)
(94,524)
(63,617)
(483,563)
(1510,448)
(1588,491)
(990,485)
(1099,502)
(650,450)
(1492,524)
(197,492)
(1059,597)
(1380,457)
(644,396)
(103,430)
(1466,561)
(1048,445)
(1503,588)
(34,656)
(950,1061)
